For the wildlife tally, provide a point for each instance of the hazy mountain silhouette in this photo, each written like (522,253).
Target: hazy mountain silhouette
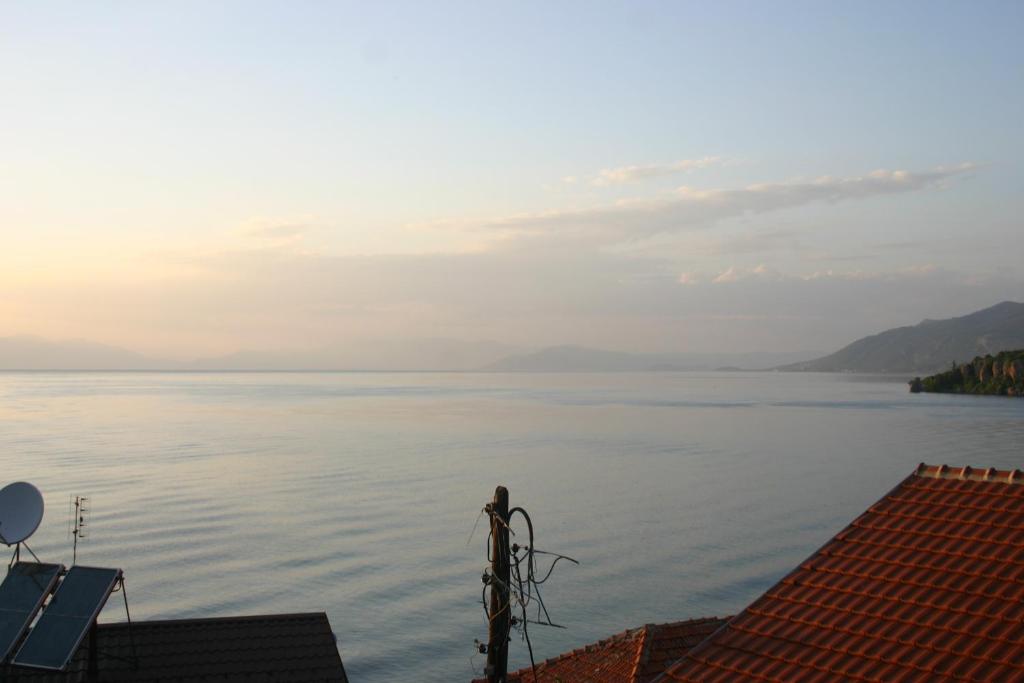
(583,359)
(34,353)
(415,354)
(929,346)
(25,352)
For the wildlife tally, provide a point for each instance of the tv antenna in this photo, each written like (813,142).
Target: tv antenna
(79,507)
(21,510)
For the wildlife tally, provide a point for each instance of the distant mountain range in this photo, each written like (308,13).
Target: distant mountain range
(24,352)
(34,353)
(414,354)
(924,348)
(582,359)
(929,346)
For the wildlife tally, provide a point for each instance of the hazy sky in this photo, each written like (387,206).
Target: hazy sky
(193,178)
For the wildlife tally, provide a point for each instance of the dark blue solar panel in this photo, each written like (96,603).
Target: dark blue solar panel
(66,620)
(21,594)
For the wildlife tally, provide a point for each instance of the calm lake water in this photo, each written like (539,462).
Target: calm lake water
(682,494)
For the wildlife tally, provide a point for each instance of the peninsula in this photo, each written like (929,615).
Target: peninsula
(998,375)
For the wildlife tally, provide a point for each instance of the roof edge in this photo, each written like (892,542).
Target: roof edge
(968,473)
(643,653)
(622,636)
(214,620)
(923,471)
(708,642)
(642,633)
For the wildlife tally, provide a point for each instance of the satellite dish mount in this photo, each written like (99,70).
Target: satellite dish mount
(21,510)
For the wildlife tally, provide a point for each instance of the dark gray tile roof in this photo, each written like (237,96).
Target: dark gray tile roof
(278,647)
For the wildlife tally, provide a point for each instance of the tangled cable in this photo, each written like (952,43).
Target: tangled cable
(524,585)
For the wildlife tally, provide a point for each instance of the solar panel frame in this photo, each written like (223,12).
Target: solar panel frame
(83,621)
(52,573)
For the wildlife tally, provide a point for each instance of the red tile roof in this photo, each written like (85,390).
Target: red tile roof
(633,656)
(927,585)
(278,647)
(665,643)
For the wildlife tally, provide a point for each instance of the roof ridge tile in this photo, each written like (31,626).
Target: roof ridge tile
(968,473)
(643,652)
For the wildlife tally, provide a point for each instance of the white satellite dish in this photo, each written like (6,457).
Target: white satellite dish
(21,510)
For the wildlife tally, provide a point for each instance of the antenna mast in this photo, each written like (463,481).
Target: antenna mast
(81,504)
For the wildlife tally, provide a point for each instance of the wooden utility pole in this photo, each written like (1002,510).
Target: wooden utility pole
(499,628)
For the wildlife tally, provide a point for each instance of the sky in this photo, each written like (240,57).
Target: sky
(194,178)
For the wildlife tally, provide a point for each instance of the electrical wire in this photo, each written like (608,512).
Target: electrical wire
(524,589)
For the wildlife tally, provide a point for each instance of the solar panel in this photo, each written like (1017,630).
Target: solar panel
(21,595)
(66,620)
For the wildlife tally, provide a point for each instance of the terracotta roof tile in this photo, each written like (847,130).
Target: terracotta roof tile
(927,584)
(634,656)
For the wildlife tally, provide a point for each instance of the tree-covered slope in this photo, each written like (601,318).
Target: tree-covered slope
(999,375)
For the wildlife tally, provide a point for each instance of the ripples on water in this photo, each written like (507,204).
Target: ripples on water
(683,495)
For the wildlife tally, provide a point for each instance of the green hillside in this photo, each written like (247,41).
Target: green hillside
(998,375)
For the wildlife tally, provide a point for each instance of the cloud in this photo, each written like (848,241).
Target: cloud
(632,174)
(689,279)
(257,297)
(763,273)
(755,242)
(691,209)
(760,272)
(276,233)
(747,291)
